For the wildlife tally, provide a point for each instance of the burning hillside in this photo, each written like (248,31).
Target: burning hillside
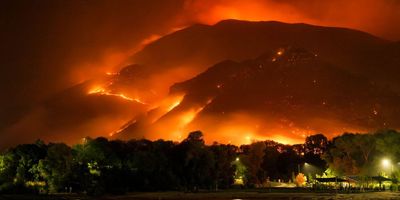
(284,95)
(308,79)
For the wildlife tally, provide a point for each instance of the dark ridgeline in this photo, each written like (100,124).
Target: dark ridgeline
(290,84)
(327,79)
(99,166)
(342,54)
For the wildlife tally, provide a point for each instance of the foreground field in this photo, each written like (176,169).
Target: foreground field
(215,196)
(257,195)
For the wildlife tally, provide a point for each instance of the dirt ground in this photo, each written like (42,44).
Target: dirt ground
(256,195)
(215,196)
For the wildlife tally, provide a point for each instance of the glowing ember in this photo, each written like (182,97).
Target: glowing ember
(111,73)
(139,101)
(96,90)
(122,128)
(174,105)
(182,121)
(165,106)
(101,91)
(190,115)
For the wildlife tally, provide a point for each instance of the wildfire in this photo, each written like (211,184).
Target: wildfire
(248,139)
(174,104)
(280,51)
(122,128)
(150,39)
(111,73)
(97,90)
(180,124)
(102,91)
(190,115)
(165,106)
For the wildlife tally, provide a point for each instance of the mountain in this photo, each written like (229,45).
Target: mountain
(327,79)
(193,49)
(282,95)
(71,115)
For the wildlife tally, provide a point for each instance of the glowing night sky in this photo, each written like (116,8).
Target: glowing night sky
(133,69)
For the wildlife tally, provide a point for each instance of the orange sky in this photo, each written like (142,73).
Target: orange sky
(49,46)
(377,17)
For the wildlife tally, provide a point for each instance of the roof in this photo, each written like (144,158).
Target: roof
(332,179)
(351,179)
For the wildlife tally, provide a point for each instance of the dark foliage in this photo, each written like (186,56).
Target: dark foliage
(98,166)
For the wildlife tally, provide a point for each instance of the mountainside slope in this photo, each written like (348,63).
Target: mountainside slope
(355,86)
(199,46)
(282,95)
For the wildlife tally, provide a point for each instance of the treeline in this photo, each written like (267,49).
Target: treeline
(372,154)
(98,166)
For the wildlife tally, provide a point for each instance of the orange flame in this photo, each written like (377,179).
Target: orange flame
(98,90)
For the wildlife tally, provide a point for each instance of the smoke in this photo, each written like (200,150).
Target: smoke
(378,17)
(48,46)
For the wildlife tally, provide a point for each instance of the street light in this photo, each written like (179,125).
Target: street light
(298,167)
(386,163)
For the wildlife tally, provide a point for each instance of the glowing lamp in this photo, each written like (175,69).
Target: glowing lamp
(386,163)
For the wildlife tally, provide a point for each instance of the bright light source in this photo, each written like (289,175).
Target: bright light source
(386,163)
(237,159)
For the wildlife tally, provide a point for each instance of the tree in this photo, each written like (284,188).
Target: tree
(351,154)
(99,166)
(387,142)
(314,147)
(18,167)
(270,160)
(56,167)
(288,162)
(8,166)
(300,179)
(149,167)
(253,159)
(28,156)
(366,144)
(342,155)
(315,144)
(197,162)
(223,171)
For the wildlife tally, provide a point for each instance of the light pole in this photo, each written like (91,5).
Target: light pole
(386,163)
(298,167)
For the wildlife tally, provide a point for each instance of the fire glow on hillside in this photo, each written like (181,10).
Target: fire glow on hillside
(170,119)
(183,68)
(98,90)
